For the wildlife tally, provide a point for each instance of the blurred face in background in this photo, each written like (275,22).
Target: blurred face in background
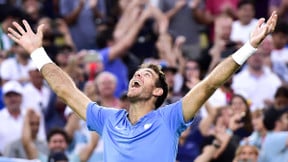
(31,7)
(247,153)
(283,122)
(279,40)
(36,77)
(170,75)
(238,105)
(223,27)
(246,13)
(57,143)
(192,70)
(34,124)
(256,61)
(257,120)
(106,84)
(13,101)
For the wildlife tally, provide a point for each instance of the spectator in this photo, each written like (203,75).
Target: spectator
(281,7)
(240,105)
(221,124)
(58,141)
(245,23)
(40,93)
(246,153)
(38,89)
(16,68)
(274,147)
(222,46)
(216,8)
(144,44)
(170,73)
(281,97)
(190,142)
(16,148)
(280,38)
(256,77)
(9,14)
(106,84)
(258,135)
(12,116)
(189,13)
(33,11)
(79,12)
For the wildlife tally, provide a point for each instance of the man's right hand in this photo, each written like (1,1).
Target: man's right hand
(26,37)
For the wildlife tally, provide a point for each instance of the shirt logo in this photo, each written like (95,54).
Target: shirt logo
(147,126)
(119,128)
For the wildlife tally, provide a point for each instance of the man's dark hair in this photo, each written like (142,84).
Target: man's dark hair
(281,27)
(282,91)
(161,82)
(58,131)
(7,10)
(245,2)
(271,115)
(103,37)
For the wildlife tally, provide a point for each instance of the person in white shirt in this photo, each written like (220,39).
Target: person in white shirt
(280,38)
(256,82)
(16,68)
(40,99)
(11,117)
(246,22)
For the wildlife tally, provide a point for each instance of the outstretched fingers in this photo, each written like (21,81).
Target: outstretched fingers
(260,22)
(15,36)
(14,33)
(272,21)
(19,28)
(40,30)
(27,26)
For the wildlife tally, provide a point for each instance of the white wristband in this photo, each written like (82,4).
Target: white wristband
(241,55)
(40,58)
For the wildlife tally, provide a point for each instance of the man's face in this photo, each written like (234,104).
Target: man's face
(238,105)
(257,122)
(284,122)
(281,101)
(255,62)
(192,70)
(248,154)
(13,101)
(57,143)
(34,124)
(106,85)
(169,78)
(246,13)
(142,84)
(36,77)
(279,40)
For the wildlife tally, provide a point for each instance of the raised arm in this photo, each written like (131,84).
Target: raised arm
(197,96)
(28,144)
(127,40)
(57,79)
(87,150)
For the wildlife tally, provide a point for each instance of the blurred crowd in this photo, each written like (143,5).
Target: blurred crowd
(100,44)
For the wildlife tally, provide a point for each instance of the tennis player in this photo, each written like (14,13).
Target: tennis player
(148,132)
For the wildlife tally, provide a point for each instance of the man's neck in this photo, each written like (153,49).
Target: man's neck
(14,113)
(109,101)
(256,73)
(138,110)
(22,61)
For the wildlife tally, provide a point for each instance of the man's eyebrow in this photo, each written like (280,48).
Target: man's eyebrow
(150,71)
